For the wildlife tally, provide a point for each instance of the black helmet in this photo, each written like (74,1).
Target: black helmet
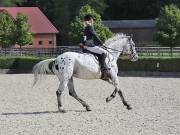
(88,17)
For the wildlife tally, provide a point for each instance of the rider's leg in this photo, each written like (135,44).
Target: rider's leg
(102,57)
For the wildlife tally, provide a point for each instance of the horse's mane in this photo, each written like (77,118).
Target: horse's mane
(115,38)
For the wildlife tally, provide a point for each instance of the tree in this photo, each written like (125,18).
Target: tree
(63,12)
(168,26)
(14,31)
(9,3)
(135,9)
(23,34)
(46,6)
(7,30)
(77,25)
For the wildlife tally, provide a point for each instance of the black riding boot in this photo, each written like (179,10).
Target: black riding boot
(104,68)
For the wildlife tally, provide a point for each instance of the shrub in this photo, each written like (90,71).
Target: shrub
(7,63)
(19,64)
(167,64)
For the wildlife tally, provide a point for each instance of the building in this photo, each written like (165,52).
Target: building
(142,30)
(44,33)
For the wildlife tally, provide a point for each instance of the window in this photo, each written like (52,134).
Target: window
(50,42)
(40,42)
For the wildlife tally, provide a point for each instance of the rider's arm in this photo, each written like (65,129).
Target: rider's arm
(93,32)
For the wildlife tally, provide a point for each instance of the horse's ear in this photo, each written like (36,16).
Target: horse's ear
(131,35)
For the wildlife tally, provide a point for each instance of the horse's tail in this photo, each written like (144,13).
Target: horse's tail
(43,67)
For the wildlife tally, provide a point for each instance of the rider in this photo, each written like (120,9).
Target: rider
(93,44)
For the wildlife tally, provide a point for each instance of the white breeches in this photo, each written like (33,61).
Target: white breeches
(95,49)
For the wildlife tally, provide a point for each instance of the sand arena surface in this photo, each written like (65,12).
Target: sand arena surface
(33,111)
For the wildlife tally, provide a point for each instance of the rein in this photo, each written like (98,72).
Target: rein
(104,47)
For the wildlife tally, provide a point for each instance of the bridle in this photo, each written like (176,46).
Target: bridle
(115,50)
(131,49)
(131,46)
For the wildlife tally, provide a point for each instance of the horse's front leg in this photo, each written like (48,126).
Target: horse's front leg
(115,82)
(117,90)
(123,100)
(113,95)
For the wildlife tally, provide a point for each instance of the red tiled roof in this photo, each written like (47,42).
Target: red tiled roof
(38,21)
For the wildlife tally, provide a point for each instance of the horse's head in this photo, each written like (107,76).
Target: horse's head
(130,49)
(122,43)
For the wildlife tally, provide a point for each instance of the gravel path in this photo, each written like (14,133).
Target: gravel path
(33,111)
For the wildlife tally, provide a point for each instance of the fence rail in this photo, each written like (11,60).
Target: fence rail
(158,51)
(53,52)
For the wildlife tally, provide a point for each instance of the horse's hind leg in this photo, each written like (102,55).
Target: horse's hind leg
(72,93)
(59,93)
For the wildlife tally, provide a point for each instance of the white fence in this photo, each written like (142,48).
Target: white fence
(158,51)
(53,52)
(50,52)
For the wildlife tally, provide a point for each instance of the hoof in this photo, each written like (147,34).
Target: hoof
(88,108)
(60,109)
(108,99)
(129,107)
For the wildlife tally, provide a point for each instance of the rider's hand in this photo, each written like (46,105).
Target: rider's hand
(102,45)
(81,45)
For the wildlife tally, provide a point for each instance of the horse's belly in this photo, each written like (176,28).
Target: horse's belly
(87,70)
(87,75)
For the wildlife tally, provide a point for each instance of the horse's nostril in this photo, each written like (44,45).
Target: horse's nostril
(56,66)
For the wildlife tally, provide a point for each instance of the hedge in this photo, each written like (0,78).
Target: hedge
(21,64)
(162,64)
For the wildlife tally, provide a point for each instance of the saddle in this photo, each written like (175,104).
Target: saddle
(95,54)
(104,69)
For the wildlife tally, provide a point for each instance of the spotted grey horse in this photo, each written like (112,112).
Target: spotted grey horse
(86,66)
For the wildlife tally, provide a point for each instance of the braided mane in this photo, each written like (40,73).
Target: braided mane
(115,38)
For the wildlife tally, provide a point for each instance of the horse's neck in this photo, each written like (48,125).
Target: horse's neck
(116,47)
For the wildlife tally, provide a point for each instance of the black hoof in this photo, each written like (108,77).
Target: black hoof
(88,109)
(62,110)
(107,100)
(129,107)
